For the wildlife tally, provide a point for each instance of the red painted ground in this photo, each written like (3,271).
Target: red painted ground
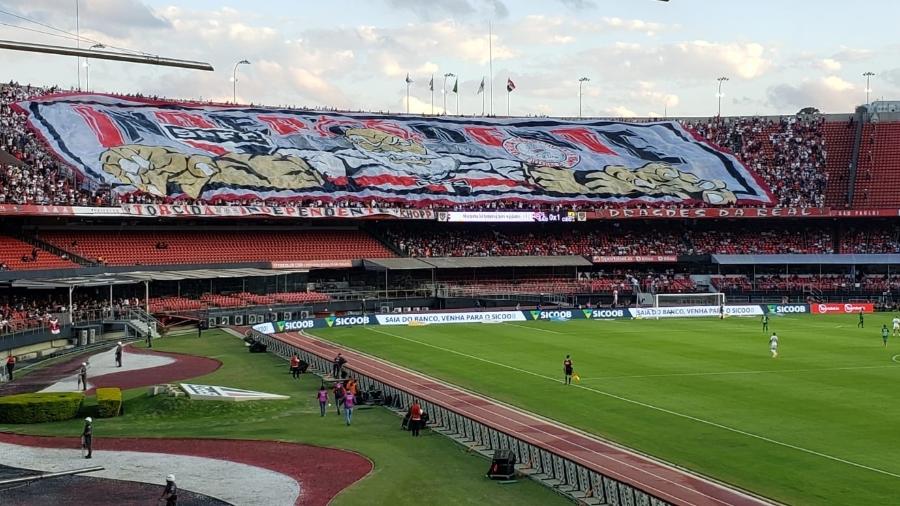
(321,472)
(184,367)
(656,478)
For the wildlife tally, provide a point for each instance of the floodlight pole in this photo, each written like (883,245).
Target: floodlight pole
(234,80)
(719,94)
(868,75)
(581,81)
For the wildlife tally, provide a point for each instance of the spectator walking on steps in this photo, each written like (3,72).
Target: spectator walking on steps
(415,418)
(82,376)
(10,366)
(295,366)
(349,402)
(322,397)
(170,493)
(87,437)
(119,349)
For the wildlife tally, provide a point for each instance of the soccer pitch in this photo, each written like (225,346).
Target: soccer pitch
(818,425)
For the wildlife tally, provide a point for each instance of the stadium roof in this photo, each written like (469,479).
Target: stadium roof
(391,264)
(128,278)
(868,259)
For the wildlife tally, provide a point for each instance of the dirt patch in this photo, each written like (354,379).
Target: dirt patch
(321,472)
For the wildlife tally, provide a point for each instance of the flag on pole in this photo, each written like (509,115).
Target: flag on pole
(480,87)
(510,85)
(408,79)
(431,83)
(456,86)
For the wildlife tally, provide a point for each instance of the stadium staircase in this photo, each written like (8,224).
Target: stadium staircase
(859,118)
(840,143)
(50,248)
(139,321)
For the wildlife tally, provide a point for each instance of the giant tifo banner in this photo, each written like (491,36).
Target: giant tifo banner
(175,149)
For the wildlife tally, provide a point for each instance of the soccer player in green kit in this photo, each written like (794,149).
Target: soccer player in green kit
(884,334)
(765,322)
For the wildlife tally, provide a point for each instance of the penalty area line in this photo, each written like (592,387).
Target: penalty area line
(894,359)
(652,407)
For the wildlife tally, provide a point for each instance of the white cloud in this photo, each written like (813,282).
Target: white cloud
(829,94)
(829,64)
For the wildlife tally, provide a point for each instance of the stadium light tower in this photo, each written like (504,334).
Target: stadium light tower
(87,67)
(868,76)
(719,94)
(444,89)
(581,81)
(234,80)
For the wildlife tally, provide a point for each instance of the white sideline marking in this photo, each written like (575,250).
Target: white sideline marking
(650,406)
(534,328)
(894,358)
(671,375)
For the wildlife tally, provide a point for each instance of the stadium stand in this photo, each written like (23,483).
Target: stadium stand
(789,153)
(16,255)
(174,247)
(793,154)
(878,173)
(615,239)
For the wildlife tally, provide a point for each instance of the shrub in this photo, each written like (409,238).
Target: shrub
(109,402)
(40,407)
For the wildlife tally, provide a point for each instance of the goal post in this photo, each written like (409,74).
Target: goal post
(688,299)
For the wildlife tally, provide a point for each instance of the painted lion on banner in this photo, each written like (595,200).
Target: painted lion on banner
(360,165)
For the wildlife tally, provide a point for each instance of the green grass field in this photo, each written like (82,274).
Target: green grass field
(818,425)
(431,469)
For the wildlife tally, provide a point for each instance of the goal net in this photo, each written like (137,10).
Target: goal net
(688,299)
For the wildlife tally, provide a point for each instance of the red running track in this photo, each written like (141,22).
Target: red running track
(653,477)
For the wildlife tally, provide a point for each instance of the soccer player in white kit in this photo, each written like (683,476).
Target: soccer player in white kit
(896,325)
(773,345)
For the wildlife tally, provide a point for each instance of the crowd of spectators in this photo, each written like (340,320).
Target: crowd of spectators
(788,153)
(28,173)
(624,239)
(23,312)
(811,284)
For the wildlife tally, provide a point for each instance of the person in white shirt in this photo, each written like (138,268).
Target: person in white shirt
(773,345)
(896,325)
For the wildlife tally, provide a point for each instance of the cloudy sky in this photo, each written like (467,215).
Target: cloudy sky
(643,57)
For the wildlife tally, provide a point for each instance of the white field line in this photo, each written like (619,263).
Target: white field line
(534,328)
(650,406)
(721,373)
